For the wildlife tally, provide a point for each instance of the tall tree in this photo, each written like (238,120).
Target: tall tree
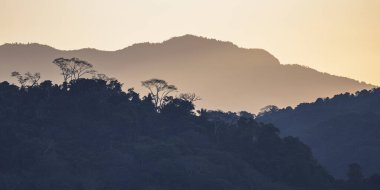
(74,68)
(159,90)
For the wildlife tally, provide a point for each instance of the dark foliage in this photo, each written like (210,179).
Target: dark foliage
(342,130)
(89,134)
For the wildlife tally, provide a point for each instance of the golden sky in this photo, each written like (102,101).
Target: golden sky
(341,37)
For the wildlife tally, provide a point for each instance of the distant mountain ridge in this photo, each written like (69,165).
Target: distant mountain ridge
(217,71)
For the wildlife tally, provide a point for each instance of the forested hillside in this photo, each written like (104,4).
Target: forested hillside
(341,130)
(90,134)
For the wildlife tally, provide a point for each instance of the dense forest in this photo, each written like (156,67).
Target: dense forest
(89,134)
(340,130)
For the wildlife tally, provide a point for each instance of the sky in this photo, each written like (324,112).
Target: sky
(340,37)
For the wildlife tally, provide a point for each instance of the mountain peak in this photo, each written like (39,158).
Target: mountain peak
(189,39)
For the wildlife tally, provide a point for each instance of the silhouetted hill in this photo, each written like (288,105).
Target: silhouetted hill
(217,71)
(89,134)
(341,130)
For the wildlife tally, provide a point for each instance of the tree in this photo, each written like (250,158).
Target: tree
(159,90)
(246,115)
(190,97)
(74,68)
(63,64)
(27,78)
(104,77)
(177,108)
(268,109)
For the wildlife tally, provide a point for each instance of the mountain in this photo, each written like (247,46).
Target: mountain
(342,130)
(222,74)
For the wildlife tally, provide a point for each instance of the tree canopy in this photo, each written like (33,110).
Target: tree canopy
(90,134)
(159,90)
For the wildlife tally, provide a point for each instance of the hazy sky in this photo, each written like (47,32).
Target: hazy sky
(341,37)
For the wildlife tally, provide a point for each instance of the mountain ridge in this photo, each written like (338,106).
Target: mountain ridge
(186,36)
(144,44)
(188,60)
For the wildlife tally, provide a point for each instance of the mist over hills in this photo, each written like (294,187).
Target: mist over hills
(217,71)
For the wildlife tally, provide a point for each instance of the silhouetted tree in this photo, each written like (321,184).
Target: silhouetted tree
(177,108)
(191,97)
(268,109)
(247,115)
(27,78)
(104,77)
(74,68)
(159,90)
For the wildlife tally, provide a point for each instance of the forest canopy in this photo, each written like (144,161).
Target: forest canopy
(90,134)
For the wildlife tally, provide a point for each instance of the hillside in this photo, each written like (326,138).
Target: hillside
(253,75)
(92,135)
(342,130)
